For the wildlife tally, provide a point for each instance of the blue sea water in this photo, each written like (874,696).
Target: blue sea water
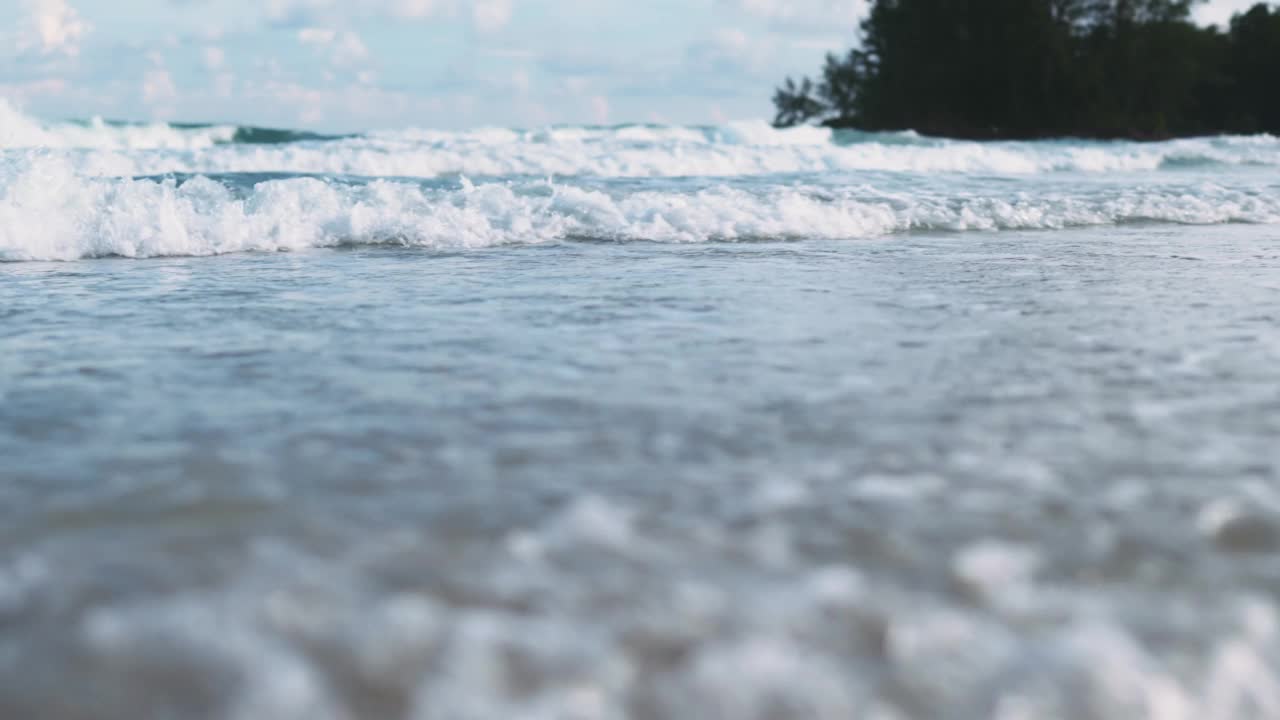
(636,422)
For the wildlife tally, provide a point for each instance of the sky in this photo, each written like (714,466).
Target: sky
(343,65)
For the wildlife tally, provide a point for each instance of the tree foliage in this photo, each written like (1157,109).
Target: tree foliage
(1036,68)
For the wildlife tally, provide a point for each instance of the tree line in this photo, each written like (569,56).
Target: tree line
(1047,68)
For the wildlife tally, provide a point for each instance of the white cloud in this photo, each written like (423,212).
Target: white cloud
(600,109)
(486,62)
(575,85)
(354,104)
(53,28)
(731,41)
(158,86)
(159,92)
(729,53)
(349,48)
(316,36)
(485,15)
(520,81)
(33,88)
(224,85)
(805,15)
(415,8)
(490,15)
(214,58)
(345,48)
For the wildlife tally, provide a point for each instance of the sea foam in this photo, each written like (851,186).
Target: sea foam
(19,131)
(733,150)
(560,154)
(49,212)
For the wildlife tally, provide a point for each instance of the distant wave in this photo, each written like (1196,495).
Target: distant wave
(467,154)
(20,131)
(250,135)
(734,150)
(47,212)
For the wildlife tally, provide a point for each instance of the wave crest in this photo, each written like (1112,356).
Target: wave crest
(743,149)
(47,212)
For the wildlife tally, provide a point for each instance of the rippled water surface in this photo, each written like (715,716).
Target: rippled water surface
(934,476)
(713,423)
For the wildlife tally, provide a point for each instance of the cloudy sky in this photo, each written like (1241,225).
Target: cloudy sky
(351,64)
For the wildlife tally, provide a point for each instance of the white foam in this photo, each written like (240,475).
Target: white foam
(616,157)
(20,131)
(505,154)
(758,133)
(736,149)
(49,212)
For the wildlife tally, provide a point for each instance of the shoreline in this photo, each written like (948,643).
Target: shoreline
(997,135)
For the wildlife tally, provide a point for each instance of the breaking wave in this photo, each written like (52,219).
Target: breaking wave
(48,212)
(732,150)
(78,190)
(18,131)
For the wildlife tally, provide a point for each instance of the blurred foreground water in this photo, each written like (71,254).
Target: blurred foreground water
(960,475)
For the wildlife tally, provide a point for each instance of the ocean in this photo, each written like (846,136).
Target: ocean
(639,422)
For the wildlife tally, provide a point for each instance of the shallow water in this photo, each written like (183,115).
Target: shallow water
(929,476)
(927,443)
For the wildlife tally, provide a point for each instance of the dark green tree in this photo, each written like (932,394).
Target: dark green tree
(1033,68)
(795,103)
(1253,66)
(841,78)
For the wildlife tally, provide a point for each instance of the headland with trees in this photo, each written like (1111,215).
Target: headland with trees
(1024,69)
